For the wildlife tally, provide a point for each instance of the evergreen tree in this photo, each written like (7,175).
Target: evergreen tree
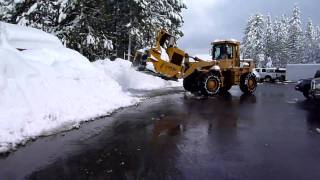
(280,30)
(295,38)
(283,41)
(253,42)
(309,43)
(40,14)
(317,44)
(246,41)
(269,41)
(156,15)
(98,28)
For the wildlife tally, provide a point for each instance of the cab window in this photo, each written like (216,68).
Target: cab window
(229,52)
(222,51)
(217,51)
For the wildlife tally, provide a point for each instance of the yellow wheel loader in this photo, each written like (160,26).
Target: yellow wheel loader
(199,76)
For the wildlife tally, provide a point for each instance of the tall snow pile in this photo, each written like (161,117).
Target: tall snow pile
(128,78)
(21,37)
(49,88)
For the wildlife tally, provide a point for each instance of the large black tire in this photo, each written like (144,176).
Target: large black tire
(209,84)
(248,83)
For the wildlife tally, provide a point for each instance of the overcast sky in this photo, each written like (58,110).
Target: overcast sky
(207,20)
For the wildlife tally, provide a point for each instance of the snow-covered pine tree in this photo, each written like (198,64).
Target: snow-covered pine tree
(269,41)
(87,31)
(98,28)
(253,42)
(277,45)
(309,43)
(78,23)
(280,37)
(246,40)
(156,15)
(41,14)
(295,38)
(317,44)
(7,9)
(140,20)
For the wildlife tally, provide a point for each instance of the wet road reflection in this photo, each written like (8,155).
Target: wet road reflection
(269,135)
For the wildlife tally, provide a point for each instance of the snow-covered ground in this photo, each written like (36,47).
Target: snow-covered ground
(49,89)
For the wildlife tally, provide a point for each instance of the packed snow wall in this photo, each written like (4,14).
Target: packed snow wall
(295,72)
(47,88)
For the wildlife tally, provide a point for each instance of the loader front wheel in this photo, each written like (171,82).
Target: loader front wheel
(210,84)
(248,83)
(190,83)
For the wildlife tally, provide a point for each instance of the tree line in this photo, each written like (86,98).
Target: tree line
(98,28)
(282,41)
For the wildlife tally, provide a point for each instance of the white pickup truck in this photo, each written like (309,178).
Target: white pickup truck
(272,74)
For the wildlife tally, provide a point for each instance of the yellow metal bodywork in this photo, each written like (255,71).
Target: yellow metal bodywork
(164,67)
(167,68)
(233,65)
(230,68)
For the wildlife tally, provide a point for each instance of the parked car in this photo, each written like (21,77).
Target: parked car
(309,87)
(257,75)
(315,88)
(272,74)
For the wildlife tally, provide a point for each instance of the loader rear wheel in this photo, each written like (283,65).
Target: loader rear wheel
(210,84)
(248,83)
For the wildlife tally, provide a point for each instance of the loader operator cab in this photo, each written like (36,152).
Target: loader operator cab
(227,53)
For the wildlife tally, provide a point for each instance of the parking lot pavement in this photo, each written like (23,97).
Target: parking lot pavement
(273,134)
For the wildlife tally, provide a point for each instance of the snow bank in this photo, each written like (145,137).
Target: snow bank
(22,37)
(44,91)
(128,78)
(51,89)
(55,94)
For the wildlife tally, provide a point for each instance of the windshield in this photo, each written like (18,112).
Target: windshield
(222,51)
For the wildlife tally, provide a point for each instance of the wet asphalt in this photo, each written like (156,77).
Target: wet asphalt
(175,135)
